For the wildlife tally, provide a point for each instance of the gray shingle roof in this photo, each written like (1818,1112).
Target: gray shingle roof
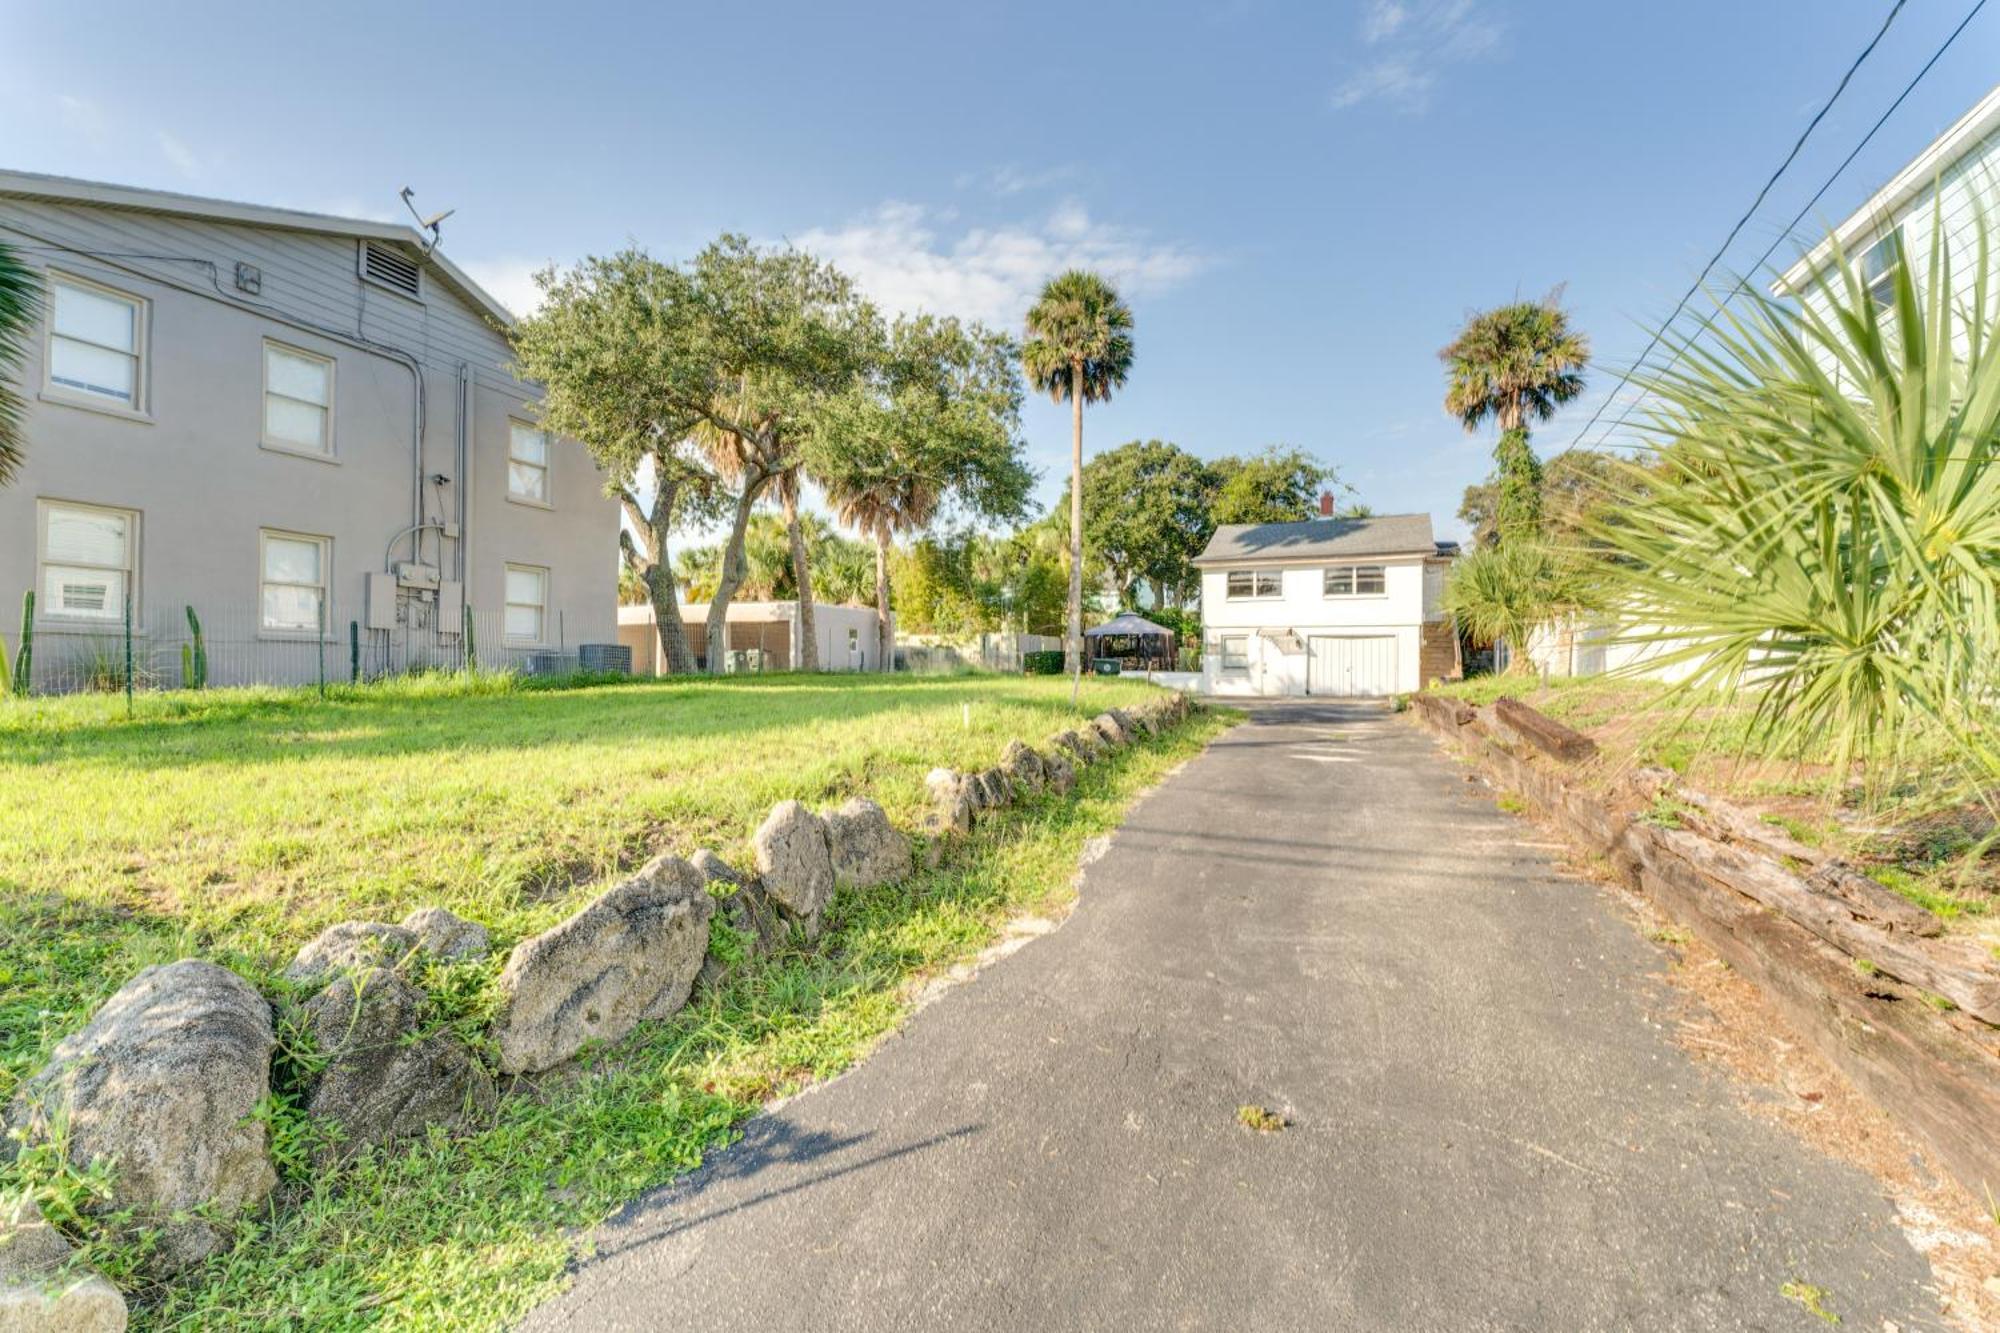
(1321,539)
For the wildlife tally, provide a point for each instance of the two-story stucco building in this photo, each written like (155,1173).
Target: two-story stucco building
(1331,606)
(303,427)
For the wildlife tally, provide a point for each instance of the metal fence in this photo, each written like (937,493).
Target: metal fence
(1003,652)
(181,647)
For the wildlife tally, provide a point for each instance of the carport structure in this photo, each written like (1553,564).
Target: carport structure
(1133,640)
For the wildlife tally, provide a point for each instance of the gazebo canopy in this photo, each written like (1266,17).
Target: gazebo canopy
(1127,623)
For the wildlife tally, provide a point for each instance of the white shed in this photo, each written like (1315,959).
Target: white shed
(763,636)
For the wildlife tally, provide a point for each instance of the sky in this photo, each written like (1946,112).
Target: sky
(1300,202)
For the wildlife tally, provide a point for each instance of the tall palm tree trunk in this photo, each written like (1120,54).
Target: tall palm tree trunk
(884,634)
(1073,641)
(802,577)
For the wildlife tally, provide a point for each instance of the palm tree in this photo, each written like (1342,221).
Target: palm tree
(1515,364)
(1079,350)
(880,508)
(787,485)
(19,306)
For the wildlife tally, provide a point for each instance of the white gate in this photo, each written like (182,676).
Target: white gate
(1344,665)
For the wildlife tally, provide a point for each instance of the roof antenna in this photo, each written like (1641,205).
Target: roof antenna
(427,224)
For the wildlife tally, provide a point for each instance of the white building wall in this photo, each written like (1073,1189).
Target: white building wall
(1304,609)
(1943,192)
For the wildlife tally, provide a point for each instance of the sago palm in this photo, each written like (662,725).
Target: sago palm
(19,307)
(1822,527)
(1511,590)
(1515,364)
(1079,350)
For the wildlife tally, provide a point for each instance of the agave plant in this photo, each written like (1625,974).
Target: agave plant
(1821,525)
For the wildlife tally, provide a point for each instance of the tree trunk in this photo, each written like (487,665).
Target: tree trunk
(1073,640)
(731,576)
(670,632)
(673,639)
(885,636)
(802,577)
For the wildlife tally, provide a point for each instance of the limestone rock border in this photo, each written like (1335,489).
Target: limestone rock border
(632,955)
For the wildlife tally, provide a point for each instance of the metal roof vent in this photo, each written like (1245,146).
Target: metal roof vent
(390,268)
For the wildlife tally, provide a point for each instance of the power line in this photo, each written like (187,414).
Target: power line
(1791,228)
(1741,222)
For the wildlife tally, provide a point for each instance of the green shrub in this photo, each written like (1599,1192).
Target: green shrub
(1043,662)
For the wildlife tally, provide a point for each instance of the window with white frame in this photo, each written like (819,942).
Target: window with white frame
(1235,651)
(1356,581)
(528,463)
(88,555)
(96,337)
(298,400)
(292,576)
(1253,583)
(1878,269)
(527,604)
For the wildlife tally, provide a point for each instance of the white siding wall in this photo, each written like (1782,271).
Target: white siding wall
(1953,201)
(1306,610)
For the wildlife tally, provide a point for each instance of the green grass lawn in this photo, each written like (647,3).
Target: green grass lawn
(234,825)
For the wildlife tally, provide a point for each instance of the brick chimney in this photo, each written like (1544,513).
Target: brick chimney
(1326,504)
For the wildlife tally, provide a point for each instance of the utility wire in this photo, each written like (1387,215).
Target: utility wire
(1791,229)
(1741,222)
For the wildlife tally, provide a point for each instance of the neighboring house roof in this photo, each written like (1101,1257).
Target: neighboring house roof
(1320,539)
(1970,131)
(1127,622)
(34,185)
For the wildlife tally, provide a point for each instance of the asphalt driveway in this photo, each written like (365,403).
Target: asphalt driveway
(1491,1128)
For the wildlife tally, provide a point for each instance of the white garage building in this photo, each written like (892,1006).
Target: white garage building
(1332,606)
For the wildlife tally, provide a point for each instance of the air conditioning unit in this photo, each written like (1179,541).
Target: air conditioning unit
(550,664)
(605,657)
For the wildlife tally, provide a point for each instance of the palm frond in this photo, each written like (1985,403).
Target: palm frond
(1822,526)
(20,307)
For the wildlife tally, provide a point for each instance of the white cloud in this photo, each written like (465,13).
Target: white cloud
(902,257)
(82,116)
(1410,43)
(179,156)
(510,281)
(1012,179)
(1391,80)
(1381,20)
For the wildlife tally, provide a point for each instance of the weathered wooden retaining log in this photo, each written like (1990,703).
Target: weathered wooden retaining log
(1937,1074)
(1544,733)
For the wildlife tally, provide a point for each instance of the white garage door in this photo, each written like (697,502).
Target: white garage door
(1343,665)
